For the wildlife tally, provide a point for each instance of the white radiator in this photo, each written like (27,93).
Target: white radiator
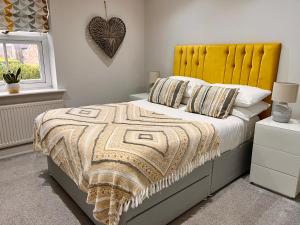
(16,121)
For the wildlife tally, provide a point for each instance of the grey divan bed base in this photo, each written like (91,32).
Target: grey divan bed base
(166,205)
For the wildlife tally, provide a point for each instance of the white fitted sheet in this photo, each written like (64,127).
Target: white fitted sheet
(232,131)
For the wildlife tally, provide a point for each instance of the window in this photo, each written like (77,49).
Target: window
(30,52)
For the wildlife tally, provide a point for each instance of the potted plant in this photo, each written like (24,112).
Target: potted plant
(12,81)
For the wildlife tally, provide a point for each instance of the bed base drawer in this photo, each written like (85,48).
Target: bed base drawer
(165,211)
(231,165)
(197,175)
(188,192)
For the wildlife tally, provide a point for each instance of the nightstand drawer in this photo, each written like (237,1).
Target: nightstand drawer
(278,138)
(274,180)
(276,160)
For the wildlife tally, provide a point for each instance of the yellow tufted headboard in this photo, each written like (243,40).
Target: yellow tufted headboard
(248,64)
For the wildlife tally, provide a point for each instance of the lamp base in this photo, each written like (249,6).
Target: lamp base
(281,112)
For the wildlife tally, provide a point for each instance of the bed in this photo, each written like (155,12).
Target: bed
(248,64)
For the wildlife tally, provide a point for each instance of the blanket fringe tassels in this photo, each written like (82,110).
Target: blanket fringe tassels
(166,182)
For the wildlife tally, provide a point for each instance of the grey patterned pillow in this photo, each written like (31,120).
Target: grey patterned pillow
(212,101)
(167,91)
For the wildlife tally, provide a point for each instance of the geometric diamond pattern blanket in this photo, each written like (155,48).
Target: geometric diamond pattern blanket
(120,154)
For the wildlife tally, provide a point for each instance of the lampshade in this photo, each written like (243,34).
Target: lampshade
(285,92)
(153,75)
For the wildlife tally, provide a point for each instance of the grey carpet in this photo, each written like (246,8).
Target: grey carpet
(28,196)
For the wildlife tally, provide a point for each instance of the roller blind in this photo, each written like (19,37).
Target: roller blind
(24,15)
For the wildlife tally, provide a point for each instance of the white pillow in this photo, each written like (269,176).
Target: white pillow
(249,112)
(192,83)
(248,95)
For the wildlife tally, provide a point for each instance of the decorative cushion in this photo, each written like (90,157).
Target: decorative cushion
(212,101)
(167,92)
(192,83)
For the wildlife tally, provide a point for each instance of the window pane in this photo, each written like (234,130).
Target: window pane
(25,56)
(2,62)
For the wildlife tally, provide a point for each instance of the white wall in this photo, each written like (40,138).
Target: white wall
(87,74)
(171,22)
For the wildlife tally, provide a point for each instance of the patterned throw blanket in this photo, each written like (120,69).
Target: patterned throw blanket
(120,154)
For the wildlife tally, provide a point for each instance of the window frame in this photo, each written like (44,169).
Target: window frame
(41,40)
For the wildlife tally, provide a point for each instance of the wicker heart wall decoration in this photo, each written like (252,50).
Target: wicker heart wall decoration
(108,34)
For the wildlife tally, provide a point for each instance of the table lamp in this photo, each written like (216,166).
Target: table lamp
(283,93)
(153,75)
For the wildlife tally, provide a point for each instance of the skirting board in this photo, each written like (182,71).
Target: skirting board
(189,191)
(15,151)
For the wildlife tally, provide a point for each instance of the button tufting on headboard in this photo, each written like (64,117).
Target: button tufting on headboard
(249,64)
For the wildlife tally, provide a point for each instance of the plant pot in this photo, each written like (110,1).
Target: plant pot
(13,88)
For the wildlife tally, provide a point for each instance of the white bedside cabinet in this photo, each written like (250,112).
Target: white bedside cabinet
(140,96)
(276,156)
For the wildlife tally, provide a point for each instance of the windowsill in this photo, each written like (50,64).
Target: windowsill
(31,96)
(31,92)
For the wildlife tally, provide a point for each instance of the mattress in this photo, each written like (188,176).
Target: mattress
(232,131)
